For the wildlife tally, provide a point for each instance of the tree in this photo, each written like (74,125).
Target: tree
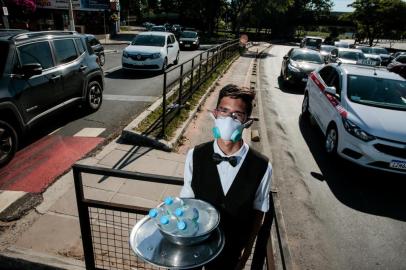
(379,18)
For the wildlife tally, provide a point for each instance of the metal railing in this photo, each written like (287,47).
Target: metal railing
(189,76)
(106,226)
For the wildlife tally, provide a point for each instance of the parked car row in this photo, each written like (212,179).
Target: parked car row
(342,52)
(42,73)
(362,112)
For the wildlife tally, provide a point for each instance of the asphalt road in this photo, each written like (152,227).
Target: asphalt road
(337,215)
(126,94)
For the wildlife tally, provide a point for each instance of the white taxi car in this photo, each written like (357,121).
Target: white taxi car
(362,112)
(151,51)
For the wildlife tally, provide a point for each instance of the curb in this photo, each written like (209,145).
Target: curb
(17,259)
(278,235)
(19,205)
(134,137)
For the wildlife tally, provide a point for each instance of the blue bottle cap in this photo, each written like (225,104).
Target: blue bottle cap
(179,212)
(164,220)
(182,225)
(168,200)
(153,213)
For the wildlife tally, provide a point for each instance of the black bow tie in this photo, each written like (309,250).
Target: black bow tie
(232,160)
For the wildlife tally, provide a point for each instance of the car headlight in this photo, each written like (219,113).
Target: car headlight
(181,42)
(125,54)
(194,42)
(293,68)
(356,131)
(156,55)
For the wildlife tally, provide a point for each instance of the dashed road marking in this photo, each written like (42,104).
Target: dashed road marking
(90,132)
(129,98)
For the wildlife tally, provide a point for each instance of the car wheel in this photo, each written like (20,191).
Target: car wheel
(305,106)
(331,140)
(94,96)
(8,143)
(102,59)
(177,59)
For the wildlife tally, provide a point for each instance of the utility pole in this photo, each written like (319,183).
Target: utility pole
(4,13)
(71,20)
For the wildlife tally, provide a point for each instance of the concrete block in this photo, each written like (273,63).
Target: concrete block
(66,204)
(98,194)
(134,200)
(255,135)
(142,189)
(102,182)
(171,190)
(53,234)
(147,164)
(113,158)
(167,155)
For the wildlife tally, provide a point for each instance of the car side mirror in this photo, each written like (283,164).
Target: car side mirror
(285,57)
(31,69)
(331,90)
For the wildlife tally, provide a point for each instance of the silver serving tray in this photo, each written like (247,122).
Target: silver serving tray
(148,243)
(208,221)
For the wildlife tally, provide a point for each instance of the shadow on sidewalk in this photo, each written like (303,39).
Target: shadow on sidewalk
(132,155)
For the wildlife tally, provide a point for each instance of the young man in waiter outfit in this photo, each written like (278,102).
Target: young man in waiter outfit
(232,177)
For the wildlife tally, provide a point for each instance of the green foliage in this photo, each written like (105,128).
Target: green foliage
(379,18)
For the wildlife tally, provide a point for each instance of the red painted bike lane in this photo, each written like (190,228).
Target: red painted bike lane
(37,166)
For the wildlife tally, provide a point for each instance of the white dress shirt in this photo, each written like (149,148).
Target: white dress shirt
(227,175)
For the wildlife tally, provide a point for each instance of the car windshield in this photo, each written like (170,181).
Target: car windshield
(313,42)
(3,56)
(401,59)
(366,50)
(379,51)
(377,92)
(341,44)
(308,57)
(188,34)
(149,40)
(326,48)
(351,55)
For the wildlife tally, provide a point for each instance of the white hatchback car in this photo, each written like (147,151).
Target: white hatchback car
(362,112)
(151,51)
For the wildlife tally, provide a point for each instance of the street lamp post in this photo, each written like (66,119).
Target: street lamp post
(71,20)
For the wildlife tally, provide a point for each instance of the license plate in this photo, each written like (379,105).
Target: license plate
(304,80)
(138,63)
(397,164)
(187,45)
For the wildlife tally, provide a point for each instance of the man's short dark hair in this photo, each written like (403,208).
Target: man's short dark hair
(236,92)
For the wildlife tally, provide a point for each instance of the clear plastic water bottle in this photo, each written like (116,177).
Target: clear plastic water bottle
(171,204)
(187,227)
(187,212)
(156,214)
(168,224)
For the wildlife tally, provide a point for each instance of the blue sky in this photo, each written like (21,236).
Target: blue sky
(341,5)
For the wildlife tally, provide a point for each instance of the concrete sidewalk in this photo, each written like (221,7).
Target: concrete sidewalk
(51,235)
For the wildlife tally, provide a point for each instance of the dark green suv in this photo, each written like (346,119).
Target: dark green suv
(41,73)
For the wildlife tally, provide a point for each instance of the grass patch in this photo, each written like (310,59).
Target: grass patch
(193,101)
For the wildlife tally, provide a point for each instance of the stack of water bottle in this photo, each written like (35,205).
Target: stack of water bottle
(175,217)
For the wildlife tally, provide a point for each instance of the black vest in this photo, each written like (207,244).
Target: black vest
(236,208)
